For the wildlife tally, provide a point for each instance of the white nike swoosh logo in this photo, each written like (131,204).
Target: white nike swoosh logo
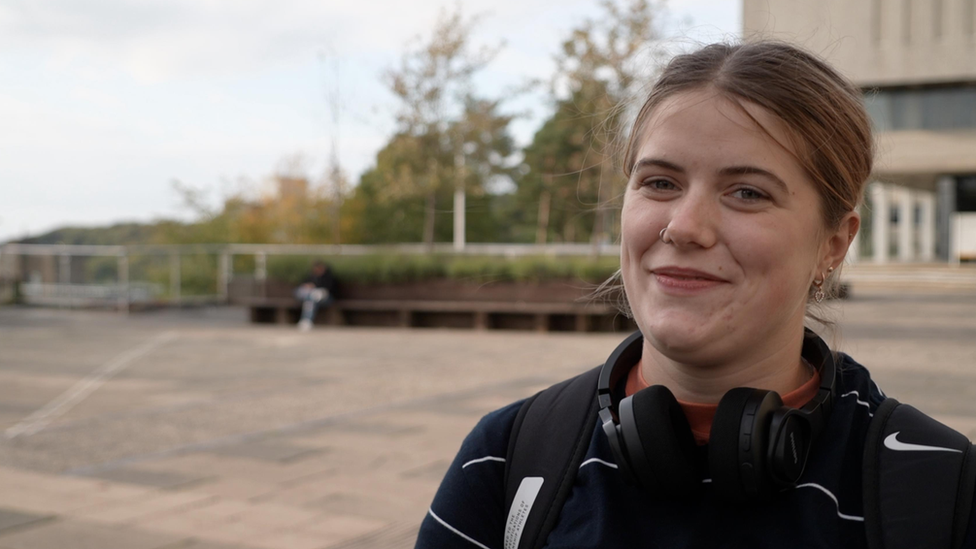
(892,443)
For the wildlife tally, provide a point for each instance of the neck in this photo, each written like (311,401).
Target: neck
(779,369)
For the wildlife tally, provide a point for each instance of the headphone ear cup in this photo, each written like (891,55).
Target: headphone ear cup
(738,443)
(670,458)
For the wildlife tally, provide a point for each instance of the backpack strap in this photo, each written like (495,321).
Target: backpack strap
(919,479)
(549,439)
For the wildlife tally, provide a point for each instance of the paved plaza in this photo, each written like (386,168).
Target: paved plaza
(193,429)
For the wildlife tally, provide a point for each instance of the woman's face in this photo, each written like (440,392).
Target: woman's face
(745,225)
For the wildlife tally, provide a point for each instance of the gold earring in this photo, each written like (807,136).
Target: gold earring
(818,284)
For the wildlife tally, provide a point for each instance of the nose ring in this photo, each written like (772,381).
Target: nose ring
(661,236)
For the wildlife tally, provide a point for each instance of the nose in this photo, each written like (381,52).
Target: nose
(694,221)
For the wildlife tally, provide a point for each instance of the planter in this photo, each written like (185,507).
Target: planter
(549,291)
(553,305)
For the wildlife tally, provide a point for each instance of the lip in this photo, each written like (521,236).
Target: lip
(682,280)
(686,273)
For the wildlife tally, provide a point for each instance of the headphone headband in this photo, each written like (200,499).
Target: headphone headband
(819,355)
(626,354)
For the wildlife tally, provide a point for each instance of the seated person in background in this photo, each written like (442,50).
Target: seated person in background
(316,291)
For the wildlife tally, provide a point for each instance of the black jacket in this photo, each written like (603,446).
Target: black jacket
(824,510)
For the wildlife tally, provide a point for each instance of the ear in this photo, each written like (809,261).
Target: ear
(837,242)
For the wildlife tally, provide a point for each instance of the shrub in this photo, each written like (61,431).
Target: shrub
(393,268)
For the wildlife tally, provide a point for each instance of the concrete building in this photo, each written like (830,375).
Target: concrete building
(916,62)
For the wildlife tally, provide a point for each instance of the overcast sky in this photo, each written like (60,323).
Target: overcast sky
(104,102)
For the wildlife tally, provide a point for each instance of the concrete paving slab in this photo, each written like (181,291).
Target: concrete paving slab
(359,504)
(432,471)
(42,501)
(202,544)
(383,495)
(335,529)
(289,540)
(156,479)
(274,517)
(203,522)
(80,535)
(123,512)
(397,536)
(184,525)
(236,488)
(218,510)
(16,477)
(12,520)
(270,450)
(239,532)
(374,428)
(237,467)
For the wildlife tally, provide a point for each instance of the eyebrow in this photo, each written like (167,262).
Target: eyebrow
(752,170)
(657,162)
(731,170)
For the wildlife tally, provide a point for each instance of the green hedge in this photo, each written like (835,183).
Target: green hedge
(409,268)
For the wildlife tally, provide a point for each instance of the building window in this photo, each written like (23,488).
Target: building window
(966,193)
(932,108)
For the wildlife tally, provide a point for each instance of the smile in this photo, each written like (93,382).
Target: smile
(683,280)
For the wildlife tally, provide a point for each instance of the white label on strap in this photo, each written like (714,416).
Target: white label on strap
(517,515)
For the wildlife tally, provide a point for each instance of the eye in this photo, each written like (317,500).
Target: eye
(749,194)
(658,184)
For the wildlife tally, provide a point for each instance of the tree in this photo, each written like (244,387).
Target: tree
(334,186)
(286,208)
(477,152)
(458,139)
(621,48)
(334,181)
(565,165)
(386,204)
(570,161)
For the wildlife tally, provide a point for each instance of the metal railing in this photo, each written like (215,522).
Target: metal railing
(509,250)
(122,291)
(88,295)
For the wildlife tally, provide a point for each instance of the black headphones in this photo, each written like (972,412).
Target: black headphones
(756,448)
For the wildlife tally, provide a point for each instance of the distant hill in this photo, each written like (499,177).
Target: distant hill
(122,233)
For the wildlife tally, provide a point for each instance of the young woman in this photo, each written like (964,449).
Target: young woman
(745,168)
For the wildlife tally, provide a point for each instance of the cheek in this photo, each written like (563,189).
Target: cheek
(777,258)
(637,224)
(634,243)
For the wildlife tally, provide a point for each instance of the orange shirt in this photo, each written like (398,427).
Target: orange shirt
(700,415)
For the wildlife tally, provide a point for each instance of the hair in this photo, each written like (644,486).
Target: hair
(827,125)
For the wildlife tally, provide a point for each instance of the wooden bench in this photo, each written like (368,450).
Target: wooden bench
(520,315)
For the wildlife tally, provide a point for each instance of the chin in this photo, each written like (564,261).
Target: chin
(679,336)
